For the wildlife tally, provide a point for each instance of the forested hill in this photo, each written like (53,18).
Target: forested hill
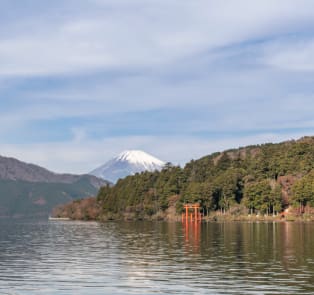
(263,178)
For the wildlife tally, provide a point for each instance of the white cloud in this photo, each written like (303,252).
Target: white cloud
(291,56)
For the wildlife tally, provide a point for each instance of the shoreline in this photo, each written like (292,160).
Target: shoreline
(209,219)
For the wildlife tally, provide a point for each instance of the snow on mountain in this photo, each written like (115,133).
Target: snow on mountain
(149,162)
(127,163)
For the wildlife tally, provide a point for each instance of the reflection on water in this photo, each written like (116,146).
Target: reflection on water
(192,235)
(150,258)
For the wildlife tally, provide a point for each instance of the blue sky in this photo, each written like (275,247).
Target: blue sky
(83,80)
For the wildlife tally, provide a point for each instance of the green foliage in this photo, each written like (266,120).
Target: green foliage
(303,190)
(260,196)
(148,191)
(228,188)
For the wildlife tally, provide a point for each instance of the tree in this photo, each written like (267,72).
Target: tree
(275,198)
(303,191)
(227,188)
(262,196)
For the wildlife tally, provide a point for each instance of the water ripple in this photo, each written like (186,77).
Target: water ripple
(149,258)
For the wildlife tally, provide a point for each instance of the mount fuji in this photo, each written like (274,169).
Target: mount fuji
(127,163)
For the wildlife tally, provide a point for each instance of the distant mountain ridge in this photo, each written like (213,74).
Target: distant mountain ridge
(30,190)
(128,163)
(13,169)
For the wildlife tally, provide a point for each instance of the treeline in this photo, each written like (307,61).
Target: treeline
(248,179)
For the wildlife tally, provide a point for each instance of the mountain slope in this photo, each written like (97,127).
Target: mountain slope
(128,163)
(30,190)
(13,169)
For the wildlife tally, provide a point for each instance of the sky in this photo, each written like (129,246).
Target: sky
(83,80)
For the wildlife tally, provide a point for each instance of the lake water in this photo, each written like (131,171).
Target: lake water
(155,258)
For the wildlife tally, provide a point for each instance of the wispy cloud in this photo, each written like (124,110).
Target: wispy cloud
(295,55)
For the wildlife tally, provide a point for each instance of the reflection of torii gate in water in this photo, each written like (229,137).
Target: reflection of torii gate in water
(192,226)
(195,215)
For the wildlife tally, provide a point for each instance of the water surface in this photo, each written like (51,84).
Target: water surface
(155,258)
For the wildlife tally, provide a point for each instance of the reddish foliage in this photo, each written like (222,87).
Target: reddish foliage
(286,183)
(86,209)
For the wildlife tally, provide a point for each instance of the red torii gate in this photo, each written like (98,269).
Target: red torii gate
(197,214)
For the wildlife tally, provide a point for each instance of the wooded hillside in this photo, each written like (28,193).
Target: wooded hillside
(254,177)
(261,179)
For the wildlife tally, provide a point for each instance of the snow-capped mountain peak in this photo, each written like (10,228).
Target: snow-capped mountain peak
(128,163)
(140,158)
